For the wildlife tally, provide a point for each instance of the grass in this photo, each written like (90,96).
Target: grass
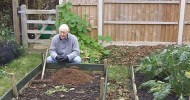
(117,76)
(20,67)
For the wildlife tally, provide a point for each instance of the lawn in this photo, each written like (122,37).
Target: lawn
(20,67)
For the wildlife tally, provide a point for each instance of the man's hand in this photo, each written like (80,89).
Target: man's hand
(58,58)
(61,58)
(65,59)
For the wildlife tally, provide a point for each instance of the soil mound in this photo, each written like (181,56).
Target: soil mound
(71,76)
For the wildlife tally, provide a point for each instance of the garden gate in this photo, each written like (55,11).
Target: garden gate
(33,35)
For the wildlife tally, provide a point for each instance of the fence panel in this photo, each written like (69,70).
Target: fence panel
(138,21)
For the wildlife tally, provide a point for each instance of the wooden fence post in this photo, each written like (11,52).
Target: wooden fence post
(60,2)
(100,17)
(181,21)
(24,26)
(15,91)
(16,22)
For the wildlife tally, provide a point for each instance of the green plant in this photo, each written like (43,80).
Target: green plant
(90,49)
(57,89)
(172,64)
(5,30)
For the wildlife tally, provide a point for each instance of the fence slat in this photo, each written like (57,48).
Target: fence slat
(40,22)
(41,11)
(39,31)
(141,22)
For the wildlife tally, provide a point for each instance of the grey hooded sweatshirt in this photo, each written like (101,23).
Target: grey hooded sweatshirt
(68,46)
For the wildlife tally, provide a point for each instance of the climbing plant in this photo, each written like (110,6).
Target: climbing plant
(90,49)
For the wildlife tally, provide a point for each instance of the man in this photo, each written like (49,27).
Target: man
(64,47)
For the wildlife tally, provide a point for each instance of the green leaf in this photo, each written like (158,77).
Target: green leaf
(72,23)
(68,5)
(148,84)
(163,92)
(79,27)
(106,52)
(85,30)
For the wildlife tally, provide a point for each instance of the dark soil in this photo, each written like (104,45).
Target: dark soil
(71,76)
(81,86)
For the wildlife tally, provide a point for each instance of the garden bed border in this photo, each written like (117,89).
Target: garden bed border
(86,67)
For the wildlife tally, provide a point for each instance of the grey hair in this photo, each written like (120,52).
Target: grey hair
(64,27)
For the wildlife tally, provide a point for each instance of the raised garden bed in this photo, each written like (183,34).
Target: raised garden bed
(68,81)
(142,94)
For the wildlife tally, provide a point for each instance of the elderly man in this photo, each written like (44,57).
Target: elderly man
(64,47)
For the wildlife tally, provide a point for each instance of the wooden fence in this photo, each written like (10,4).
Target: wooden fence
(139,21)
(136,21)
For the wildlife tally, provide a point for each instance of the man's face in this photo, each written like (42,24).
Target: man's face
(63,34)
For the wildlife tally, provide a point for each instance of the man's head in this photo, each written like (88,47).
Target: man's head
(63,31)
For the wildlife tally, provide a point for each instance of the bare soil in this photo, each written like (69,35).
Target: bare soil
(80,86)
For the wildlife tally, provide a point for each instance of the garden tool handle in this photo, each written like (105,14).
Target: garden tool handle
(44,64)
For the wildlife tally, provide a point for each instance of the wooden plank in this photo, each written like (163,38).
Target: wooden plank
(40,22)
(163,27)
(137,43)
(142,2)
(155,17)
(125,18)
(147,18)
(117,30)
(16,22)
(42,41)
(29,11)
(41,31)
(130,26)
(83,4)
(100,20)
(121,27)
(133,33)
(57,18)
(159,27)
(152,18)
(176,9)
(181,21)
(143,13)
(172,19)
(24,26)
(166,35)
(108,13)
(141,22)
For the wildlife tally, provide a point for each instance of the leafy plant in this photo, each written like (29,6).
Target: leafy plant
(5,30)
(159,89)
(171,64)
(90,49)
(57,89)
